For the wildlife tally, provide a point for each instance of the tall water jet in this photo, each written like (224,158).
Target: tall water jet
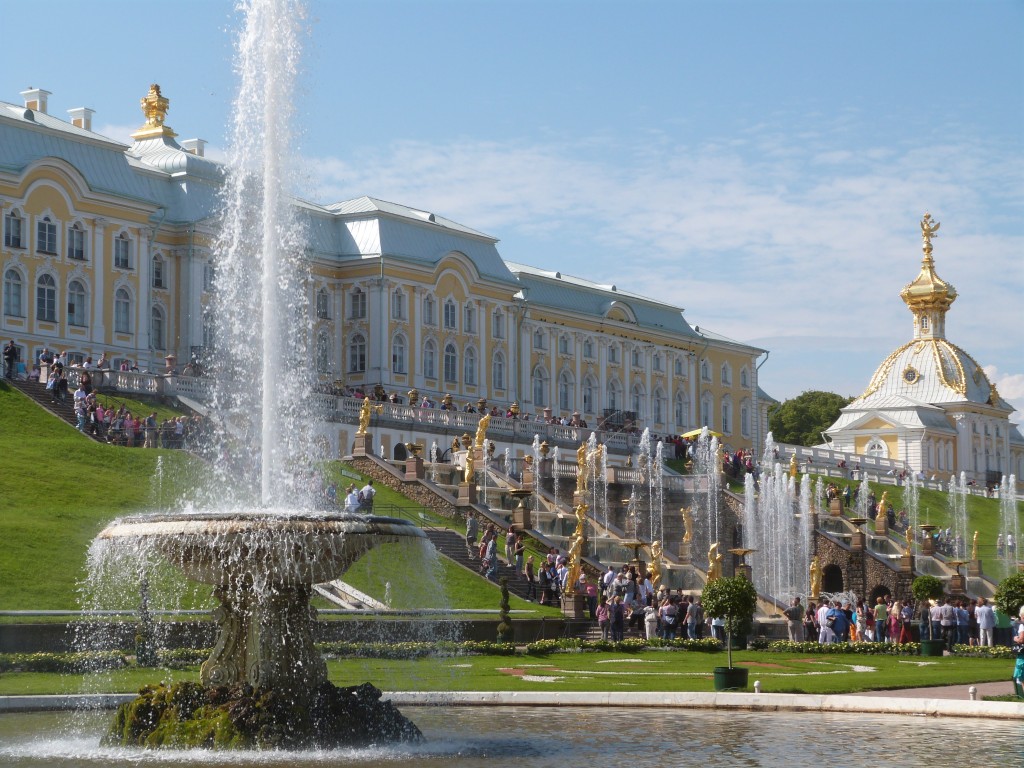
(957,505)
(1009,522)
(912,503)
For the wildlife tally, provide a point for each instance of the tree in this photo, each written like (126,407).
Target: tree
(927,587)
(733,599)
(1009,595)
(802,419)
(505,631)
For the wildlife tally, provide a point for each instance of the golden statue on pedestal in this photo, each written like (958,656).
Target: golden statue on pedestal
(583,473)
(365,411)
(883,505)
(687,524)
(910,541)
(714,563)
(579,538)
(468,469)
(656,551)
(793,467)
(974,547)
(928,231)
(481,430)
(814,571)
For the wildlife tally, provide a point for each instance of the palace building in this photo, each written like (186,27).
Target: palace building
(929,403)
(107,248)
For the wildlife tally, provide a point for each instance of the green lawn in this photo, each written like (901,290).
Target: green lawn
(654,670)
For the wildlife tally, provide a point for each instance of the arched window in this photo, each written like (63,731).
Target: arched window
(638,358)
(589,394)
(323,352)
(727,415)
(658,405)
(78,307)
(322,304)
(429,311)
(451,363)
(656,361)
(469,313)
(429,360)
(498,371)
(469,368)
(122,251)
(540,386)
(14,296)
(707,410)
(638,401)
(879,450)
(358,304)
(76,242)
(613,354)
(450,315)
(679,367)
(614,395)
(46,236)
(705,371)
(159,279)
(745,377)
(726,375)
(681,406)
(588,350)
(564,344)
(566,391)
(538,340)
(156,328)
(498,324)
(46,299)
(398,304)
(745,418)
(357,354)
(14,229)
(398,354)
(122,311)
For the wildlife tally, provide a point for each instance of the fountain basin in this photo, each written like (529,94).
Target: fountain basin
(259,549)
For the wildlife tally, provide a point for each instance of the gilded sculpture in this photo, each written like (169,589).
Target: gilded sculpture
(910,541)
(714,563)
(468,469)
(576,547)
(929,229)
(687,524)
(583,475)
(815,574)
(656,551)
(365,412)
(974,547)
(481,430)
(793,468)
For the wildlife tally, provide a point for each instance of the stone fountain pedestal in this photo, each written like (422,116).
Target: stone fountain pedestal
(467,494)
(414,468)
(835,507)
(363,445)
(974,569)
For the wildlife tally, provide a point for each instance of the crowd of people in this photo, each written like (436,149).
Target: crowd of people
(954,620)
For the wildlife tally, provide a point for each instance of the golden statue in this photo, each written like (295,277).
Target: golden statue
(656,551)
(365,410)
(910,541)
(928,231)
(687,524)
(883,504)
(793,467)
(974,547)
(714,563)
(456,445)
(815,573)
(576,550)
(481,430)
(583,475)
(468,469)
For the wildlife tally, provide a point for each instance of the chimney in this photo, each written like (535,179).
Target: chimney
(81,117)
(196,146)
(35,99)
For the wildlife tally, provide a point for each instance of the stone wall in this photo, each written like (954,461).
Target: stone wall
(863,573)
(415,490)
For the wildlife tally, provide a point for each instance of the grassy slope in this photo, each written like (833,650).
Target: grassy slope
(58,489)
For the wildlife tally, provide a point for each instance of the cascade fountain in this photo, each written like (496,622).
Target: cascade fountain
(261,552)
(707,470)
(912,503)
(957,504)
(1009,522)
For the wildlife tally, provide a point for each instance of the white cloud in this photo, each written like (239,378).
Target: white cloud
(1010,386)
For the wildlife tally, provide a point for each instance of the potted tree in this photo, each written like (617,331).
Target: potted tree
(925,588)
(1009,596)
(732,599)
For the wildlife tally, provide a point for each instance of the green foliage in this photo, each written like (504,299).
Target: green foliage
(802,419)
(64,663)
(1009,595)
(862,649)
(926,587)
(733,599)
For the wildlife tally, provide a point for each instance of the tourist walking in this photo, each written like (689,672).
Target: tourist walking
(794,621)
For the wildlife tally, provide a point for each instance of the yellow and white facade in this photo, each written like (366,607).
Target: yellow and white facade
(107,249)
(930,403)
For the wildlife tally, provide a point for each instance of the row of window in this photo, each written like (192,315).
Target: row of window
(77,305)
(77,243)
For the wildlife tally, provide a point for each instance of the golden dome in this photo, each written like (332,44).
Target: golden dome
(928,291)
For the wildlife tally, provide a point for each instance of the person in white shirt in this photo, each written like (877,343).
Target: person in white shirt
(366,496)
(986,618)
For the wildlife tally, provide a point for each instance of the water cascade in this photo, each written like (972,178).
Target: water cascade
(957,505)
(1009,522)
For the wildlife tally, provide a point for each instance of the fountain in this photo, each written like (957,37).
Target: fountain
(1009,523)
(957,501)
(264,684)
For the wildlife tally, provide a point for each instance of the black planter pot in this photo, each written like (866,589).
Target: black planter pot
(932,647)
(731,678)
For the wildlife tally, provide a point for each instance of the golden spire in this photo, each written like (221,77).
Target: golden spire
(928,296)
(154,107)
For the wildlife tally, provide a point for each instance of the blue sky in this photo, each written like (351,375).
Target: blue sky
(762,164)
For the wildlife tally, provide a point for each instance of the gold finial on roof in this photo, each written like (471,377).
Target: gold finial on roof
(929,229)
(154,108)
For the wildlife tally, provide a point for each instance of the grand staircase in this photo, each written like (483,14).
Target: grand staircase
(453,546)
(43,397)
